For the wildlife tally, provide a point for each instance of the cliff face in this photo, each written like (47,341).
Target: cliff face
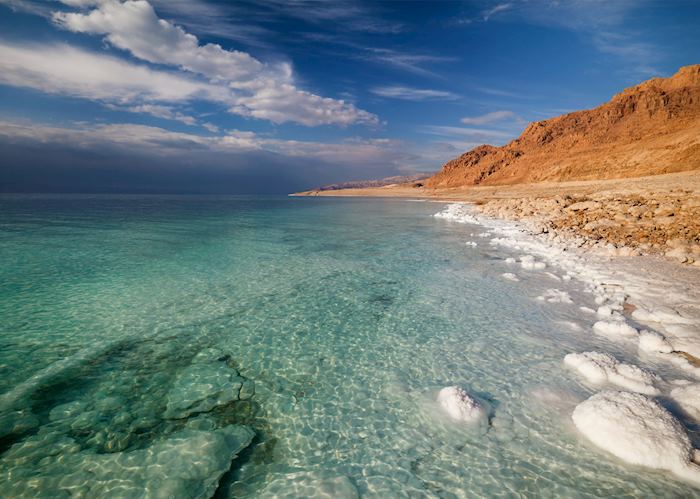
(648,129)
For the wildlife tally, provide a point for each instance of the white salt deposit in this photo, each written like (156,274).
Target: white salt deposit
(614,329)
(555,296)
(510,276)
(601,368)
(658,289)
(528,262)
(461,406)
(651,341)
(637,430)
(688,397)
(456,212)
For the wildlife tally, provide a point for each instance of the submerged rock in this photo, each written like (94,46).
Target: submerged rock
(638,430)
(188,464)
(208,382)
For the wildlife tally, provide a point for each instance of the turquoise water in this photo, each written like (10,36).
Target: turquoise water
(127,320)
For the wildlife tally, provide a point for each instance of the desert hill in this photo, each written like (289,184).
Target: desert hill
(649,129)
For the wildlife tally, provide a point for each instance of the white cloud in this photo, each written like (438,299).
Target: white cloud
(164,143)
(461,131)
(414,94)
(495,10)
(489,118)
(260,90)
(211,127)
(164,112)
(74,72)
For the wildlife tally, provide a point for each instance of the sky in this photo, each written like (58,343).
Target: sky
(205,96)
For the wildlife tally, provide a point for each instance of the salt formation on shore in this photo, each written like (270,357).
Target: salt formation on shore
(651,295)
(655,294)
(688,398)
(461,406)
(637,430)
(614,329)
(600,368)
(651,341)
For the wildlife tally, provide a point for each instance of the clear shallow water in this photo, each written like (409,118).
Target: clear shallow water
(347,315)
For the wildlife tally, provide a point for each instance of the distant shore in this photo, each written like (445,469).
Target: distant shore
(656,215)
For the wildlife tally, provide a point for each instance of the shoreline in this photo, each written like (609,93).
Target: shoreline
(657,215)
(647,306)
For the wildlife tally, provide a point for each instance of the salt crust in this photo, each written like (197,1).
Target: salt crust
(461,406)
(637,430)
(654,291)
(629,425)
(651,341)
(615,329)
(600,368)
(688,398)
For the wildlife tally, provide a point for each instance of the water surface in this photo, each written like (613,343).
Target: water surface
(347,315)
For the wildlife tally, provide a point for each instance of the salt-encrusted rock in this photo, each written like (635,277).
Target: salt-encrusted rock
(208,382)
(651,341)
(528,262)
(614,329)
(600,368)
(461,406)
(638,430)
(688,397)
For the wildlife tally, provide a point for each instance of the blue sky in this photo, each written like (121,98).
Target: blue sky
(275,96)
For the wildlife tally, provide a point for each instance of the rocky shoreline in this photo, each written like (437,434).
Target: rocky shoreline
(631,224)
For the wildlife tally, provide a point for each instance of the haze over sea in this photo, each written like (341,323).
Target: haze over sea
(125,319)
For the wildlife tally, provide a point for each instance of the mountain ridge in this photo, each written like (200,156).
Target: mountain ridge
(647,129)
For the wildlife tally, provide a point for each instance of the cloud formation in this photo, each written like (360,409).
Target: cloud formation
(66,70)
(489,118)
(413,94)
(257,90)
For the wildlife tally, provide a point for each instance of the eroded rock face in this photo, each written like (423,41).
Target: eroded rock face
(208,382)
(647,129)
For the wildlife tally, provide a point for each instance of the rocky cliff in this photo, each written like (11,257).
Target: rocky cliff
(648,129)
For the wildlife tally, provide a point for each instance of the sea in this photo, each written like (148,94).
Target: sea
(273,346)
